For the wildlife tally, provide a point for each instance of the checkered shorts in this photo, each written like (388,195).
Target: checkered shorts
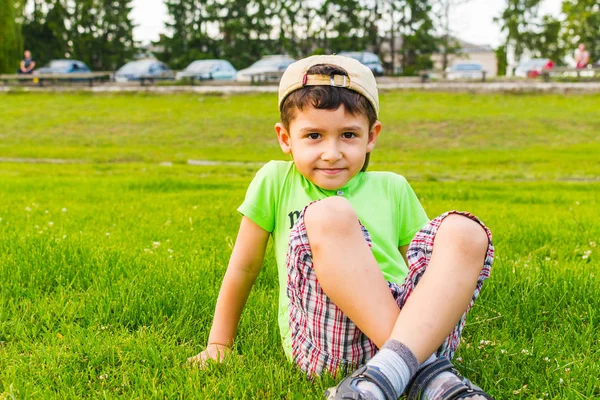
(323,337)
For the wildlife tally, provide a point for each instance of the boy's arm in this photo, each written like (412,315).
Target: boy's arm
(244,265)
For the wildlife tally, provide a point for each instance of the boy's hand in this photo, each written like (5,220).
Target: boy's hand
(213,352)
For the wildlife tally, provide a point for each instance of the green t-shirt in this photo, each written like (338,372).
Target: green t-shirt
(384,202)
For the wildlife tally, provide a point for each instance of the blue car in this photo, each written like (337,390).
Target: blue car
(367,58)
(219,70)
(146,69)
(64,67)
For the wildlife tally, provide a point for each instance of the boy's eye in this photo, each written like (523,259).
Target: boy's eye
(313,136)
(348,135)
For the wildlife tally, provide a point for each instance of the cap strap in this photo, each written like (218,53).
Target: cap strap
(326,80)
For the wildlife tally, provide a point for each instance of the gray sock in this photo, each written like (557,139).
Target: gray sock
(397,363)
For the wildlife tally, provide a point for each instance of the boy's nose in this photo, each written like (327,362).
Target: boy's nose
(332,153)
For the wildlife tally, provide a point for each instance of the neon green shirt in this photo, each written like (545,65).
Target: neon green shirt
(384,202)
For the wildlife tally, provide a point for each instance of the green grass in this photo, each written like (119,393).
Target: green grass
(110,268)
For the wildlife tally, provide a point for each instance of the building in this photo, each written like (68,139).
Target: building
(481,53)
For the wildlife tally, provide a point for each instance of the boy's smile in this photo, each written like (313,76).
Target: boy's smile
(329,147)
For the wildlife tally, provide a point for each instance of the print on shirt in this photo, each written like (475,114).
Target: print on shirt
(294,215)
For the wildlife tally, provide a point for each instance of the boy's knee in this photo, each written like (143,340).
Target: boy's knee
(467,235)
(333,214)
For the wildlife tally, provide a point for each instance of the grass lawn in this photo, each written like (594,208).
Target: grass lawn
(110,265)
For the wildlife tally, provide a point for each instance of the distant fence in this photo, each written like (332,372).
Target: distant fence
(92,78)
(89,77)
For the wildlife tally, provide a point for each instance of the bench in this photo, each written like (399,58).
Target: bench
(577,73)
(426,74)
(258,78)
(40,79)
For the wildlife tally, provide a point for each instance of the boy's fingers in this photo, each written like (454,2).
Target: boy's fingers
(203,359)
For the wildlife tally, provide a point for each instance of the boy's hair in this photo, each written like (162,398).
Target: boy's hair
(327,98)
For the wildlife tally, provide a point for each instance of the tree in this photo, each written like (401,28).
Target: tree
(448,45)
(188,39)
(518,22)
(418,39)
(45,32)
(102,33)
(342,27)
(11,45)
(546,42)
(582,25)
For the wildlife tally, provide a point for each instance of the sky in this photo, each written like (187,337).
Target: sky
(472,22)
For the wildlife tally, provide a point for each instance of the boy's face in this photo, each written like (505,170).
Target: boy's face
(329,147)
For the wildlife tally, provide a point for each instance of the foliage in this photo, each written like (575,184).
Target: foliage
(582,25)
(10,36)
(98,32)
(502,61)
(518,21)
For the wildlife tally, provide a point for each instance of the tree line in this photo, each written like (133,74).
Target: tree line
(100,32)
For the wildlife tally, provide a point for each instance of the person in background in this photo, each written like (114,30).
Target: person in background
(27,64)
(582,56)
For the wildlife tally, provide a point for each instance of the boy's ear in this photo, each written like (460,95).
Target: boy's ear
(284,138)
(373,134)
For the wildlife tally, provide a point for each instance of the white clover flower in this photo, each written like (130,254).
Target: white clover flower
(50,223)
(27,209)
(156,245)
(546,359)
(592,244)
(64,210)
(170,250)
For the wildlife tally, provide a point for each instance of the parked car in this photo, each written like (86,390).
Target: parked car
(367,58)
(208,69)
(267,68)
(136,70)
(63,67)
(533,68)
(465,71)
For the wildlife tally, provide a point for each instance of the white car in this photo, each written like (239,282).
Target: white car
(220,70)
(465,71)
(268,68)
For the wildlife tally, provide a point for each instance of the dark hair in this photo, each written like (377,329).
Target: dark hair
(327,98)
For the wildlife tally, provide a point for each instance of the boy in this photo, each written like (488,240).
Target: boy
(341,239)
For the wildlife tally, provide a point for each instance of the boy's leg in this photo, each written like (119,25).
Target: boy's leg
(349,275)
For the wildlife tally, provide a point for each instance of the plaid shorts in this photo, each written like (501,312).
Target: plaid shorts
(323,337)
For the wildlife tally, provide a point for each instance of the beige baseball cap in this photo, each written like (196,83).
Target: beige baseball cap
(360,78)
